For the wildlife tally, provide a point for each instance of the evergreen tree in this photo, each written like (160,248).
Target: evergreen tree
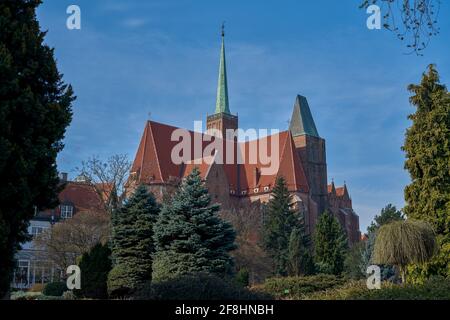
(388,214)
(95,266)
(132,243)
(427,148)
(189,235)
(330,245)
(353,261)
(35,110)
(279,223)
(300,261)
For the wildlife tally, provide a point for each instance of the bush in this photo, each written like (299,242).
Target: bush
(433,289)
(242,277)
(21,295)
(37,287)
(95,266)
(200,286)
(55,289)
(69,295)
(295,288)
(124,281)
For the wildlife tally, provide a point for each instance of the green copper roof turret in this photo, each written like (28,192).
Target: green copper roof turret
(222,105)
(302,121)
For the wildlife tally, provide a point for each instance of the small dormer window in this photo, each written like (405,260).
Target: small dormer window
(66,211)
(244,193)
(266,188)
(256,190)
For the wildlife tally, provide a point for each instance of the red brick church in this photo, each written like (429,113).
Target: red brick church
(301,157)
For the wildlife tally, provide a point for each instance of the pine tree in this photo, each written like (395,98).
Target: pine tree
(35,110)
(95,266)
(132,243)
(300,262)
(388,214)
(279,223)
(189,235)
(330,245)
(427,148)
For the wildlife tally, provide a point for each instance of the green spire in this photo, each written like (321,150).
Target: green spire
(222,86)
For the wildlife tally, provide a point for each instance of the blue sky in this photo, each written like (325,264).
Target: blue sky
(132,58)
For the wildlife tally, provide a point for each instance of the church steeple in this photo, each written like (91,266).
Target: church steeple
(302,121)
(222,105)
(222,119)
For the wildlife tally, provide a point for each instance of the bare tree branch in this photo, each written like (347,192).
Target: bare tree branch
(66,240)
(416,23)
(108,178)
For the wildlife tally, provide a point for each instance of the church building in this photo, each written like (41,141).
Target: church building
(301,157)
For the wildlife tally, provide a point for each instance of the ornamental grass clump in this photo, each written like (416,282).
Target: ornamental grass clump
(404,242)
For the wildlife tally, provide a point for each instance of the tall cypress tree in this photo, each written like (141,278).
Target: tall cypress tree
(132,243)
(95,266)
(279,223)
(35,109)
(189,235)
(330,244)
(427,148)
(299,259)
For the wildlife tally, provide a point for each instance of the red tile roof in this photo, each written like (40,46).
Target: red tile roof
(153,162)
(82,196)
(340,191)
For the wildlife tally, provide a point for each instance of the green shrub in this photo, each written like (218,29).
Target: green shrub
(21,295)
(95,266)
(242,277)
(200,286)
(124,281)
(345,292)
(69,295)
(55,289)
(434,289)
(297,287)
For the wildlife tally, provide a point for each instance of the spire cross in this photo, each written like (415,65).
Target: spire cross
(223,29)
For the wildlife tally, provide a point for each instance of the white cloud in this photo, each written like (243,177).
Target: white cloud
(134,22)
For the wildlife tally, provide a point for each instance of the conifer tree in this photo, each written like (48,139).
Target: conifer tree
(35,110)
(189,235)
(330,245)
(388,214)
(279,223)
(132,243)
(427,148)
(95,266)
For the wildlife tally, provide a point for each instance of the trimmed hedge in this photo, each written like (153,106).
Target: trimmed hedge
(437,288)
(295,288)
(199,286)
(54,289)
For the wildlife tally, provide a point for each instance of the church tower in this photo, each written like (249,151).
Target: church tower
(311,149)
(222,119)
